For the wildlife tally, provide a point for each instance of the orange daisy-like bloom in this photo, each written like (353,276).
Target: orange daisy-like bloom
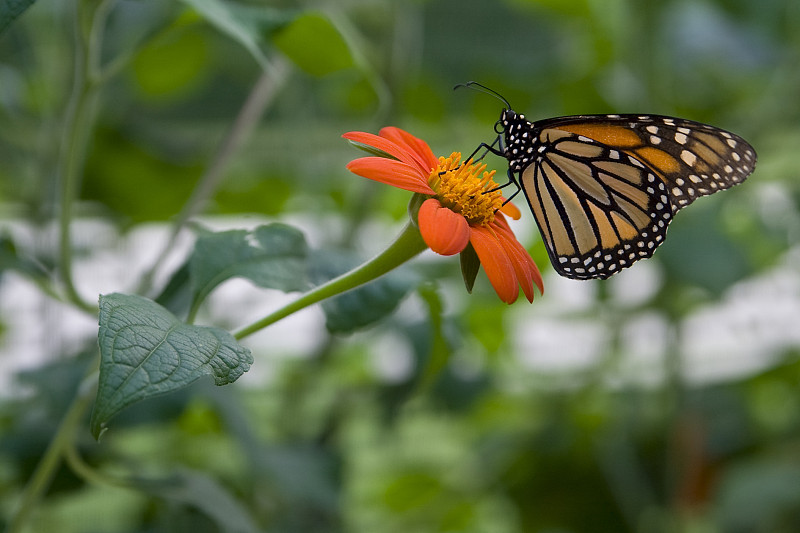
(463,206)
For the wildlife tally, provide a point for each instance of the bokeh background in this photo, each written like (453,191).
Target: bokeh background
(664,399)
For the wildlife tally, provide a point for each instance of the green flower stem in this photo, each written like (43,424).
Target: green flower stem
(77,133)
(407,245)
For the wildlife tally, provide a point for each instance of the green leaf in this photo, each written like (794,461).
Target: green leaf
(205,495)
(10,10)
(146,351)
(470,265)
(271,256)
(243,23)
(177,294)
(314,44)
(365,305)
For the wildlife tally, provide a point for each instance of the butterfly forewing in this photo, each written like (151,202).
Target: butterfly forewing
(598,209)
(603,188)
(692,158)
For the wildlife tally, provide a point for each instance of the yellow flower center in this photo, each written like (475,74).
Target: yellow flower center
(466,189)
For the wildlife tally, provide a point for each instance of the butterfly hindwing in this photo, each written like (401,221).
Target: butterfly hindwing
(598,209)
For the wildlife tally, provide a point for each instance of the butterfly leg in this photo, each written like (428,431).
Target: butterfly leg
(512,180)
(487,148)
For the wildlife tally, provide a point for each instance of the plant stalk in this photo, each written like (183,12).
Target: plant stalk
(406,246)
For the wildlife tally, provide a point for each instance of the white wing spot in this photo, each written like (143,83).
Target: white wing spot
(654,139)
(732,143)
(680,138)
(652,129)
(688,157)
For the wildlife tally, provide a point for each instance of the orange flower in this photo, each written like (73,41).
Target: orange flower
(462,206)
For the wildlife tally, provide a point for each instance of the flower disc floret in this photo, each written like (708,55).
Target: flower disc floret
(466,189)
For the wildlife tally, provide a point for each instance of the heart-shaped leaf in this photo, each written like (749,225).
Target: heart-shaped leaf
(271,256)
(146,351)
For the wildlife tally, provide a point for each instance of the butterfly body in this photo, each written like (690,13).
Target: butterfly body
(603,188)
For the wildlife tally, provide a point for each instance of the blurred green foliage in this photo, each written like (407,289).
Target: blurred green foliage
(454,412)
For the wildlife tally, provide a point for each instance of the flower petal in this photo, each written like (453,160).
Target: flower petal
(510,210)
(526,270)
(414,144)
(391,172)
(519,255)
(445,232)
(498,266)
(402,152)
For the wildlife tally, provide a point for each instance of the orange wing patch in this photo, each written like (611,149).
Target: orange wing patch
(617,136)
(658,159)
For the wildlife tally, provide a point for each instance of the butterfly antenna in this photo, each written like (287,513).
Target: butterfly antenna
(483,89)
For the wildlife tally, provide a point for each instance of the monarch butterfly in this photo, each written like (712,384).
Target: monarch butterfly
(604,188)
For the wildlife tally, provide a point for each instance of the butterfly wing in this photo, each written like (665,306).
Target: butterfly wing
(598,209)
(603,188)
(692,158)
